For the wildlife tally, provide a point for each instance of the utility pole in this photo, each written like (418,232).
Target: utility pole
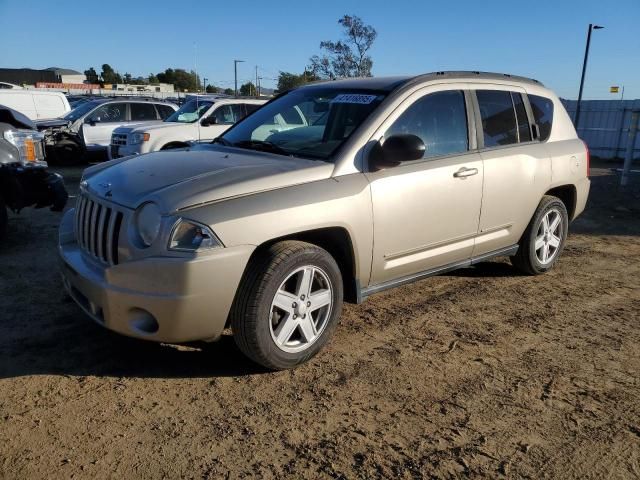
(584,69)
(235,71)
(259,89)
(256,85)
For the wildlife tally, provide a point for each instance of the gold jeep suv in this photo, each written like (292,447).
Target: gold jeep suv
(373,183)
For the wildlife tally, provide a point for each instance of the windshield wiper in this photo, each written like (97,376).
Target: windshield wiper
(262,146)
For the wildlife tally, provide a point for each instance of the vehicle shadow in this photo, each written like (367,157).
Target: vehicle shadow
(71,344)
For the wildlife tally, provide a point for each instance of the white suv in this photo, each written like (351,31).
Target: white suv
(202,118)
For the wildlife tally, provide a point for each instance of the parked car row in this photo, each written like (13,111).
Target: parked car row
(200,119)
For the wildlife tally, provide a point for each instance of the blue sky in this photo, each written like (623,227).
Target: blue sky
(541,39)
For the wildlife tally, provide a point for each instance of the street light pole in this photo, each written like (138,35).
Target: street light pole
(235,71)
(584,70)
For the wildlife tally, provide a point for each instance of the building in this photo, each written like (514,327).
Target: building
(66,75)
(126,88)
(28,76)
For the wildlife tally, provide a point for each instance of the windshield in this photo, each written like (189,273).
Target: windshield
(190,111)
(80,111)
(307,123)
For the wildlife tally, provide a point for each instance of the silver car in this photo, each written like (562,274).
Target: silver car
(388,181)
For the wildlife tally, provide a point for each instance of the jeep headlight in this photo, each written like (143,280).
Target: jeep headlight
(148,220)
(29,144)
(138,138)
(188,235)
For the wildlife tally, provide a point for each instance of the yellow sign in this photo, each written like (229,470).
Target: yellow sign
(614,89)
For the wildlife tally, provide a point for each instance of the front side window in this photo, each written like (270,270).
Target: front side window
(110,112)
(141,112)
(228,114)
(440,120)
(498,118)
(190,111)
(542,108)
(268,130)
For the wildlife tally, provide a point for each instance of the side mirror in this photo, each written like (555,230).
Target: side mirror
(92,120)
(208,121)
(395,150)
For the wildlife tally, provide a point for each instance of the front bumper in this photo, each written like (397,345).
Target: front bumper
(165,299)
(117,151)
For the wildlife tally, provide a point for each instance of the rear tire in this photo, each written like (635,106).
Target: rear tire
(287,305)
(544,238)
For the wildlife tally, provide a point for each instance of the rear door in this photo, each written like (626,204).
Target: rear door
(517,169)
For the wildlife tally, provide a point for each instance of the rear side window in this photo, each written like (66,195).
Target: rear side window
(498,118)
(164,111)
(542,108)
(440,120)
(524,130)
(143,111)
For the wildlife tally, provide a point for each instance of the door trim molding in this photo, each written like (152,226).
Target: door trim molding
(367,291)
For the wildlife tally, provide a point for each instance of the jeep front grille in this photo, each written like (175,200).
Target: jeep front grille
(98,229)
(118,139)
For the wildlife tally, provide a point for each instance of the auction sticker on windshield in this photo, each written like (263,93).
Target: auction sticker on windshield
(354,98)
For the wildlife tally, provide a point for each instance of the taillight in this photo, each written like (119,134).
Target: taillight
(588,159)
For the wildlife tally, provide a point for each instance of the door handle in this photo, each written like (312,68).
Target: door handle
(465,172)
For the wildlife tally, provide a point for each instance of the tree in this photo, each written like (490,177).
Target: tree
(92,75)
(287,80)
(109,75)
(153,80)
(127,78)
(228,91)
(348,57)
(248,89)
(212,89)
(181,79)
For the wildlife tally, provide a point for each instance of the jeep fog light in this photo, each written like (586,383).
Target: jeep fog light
(190,236)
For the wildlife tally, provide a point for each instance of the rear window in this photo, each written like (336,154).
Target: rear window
(499,124)
(542,108)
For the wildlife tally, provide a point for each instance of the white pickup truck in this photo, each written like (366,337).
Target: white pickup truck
(202,118)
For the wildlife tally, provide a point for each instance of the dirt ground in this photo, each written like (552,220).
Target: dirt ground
(479,373)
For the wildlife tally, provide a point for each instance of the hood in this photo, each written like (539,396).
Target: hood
(51,123)
(179,179)
(162,125)
(130,127)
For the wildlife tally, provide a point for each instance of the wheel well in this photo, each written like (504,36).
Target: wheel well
(337,242)
(174,145)
(568,194)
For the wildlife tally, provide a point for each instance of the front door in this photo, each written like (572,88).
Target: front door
(100,123)
(426,212)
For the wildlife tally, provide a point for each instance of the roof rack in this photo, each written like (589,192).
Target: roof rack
(483,75)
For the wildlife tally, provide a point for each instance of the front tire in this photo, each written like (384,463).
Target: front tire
(288,304)
(544,239)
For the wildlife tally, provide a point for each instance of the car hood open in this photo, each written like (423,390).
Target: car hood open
(179,179)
